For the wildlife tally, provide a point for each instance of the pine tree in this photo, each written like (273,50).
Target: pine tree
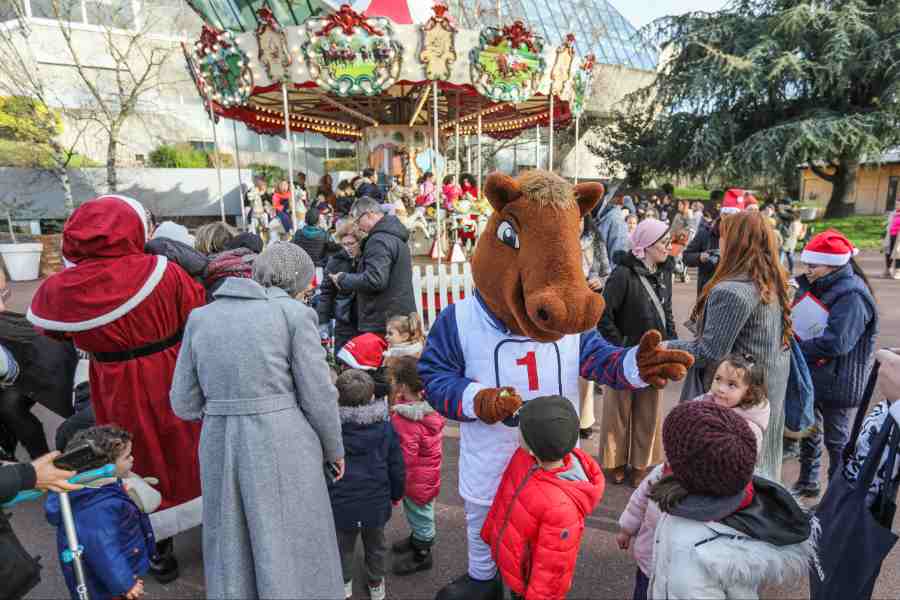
(767,85)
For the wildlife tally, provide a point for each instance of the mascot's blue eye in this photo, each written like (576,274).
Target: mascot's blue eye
(506,233)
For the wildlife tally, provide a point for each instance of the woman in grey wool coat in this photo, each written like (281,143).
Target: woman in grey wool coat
(252,367)
(745,309)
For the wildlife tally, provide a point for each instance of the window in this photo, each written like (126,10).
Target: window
(68,10)
(110,13)
(7,12)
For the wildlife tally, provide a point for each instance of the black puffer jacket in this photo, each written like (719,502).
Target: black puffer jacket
(630,312)
(705,240)
(189,259)
(383,278)
(334,303)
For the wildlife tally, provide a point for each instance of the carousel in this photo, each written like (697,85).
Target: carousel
(400,81)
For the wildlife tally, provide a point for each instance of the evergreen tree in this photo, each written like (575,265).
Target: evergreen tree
(767,85)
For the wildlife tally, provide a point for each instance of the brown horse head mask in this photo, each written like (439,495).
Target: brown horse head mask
(527,265)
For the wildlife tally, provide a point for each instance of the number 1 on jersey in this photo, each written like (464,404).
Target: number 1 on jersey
(530,361)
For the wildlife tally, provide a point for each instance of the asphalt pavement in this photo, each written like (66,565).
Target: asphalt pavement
(603,571)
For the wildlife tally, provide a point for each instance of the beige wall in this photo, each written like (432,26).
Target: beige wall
(870,193)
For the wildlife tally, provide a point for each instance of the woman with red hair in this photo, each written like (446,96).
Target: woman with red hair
(744,309)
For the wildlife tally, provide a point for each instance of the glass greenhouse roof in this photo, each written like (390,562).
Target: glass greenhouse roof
(597,25)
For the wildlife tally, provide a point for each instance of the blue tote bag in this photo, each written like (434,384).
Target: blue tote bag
(799,398)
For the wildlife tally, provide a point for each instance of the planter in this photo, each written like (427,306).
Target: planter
(23,261)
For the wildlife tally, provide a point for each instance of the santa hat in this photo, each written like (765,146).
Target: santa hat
(736,200)
(831,247)
(364,352)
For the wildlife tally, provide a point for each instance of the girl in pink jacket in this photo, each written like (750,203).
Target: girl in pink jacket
(739,383)
(420,429)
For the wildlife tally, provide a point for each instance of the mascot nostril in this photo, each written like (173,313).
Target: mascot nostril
(519,338)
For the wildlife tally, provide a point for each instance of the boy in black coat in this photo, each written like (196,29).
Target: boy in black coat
(374,479)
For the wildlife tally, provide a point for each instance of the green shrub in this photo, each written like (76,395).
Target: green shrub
(178,156)
(272,173)
(347,163)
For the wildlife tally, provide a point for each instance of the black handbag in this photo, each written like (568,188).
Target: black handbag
(856,538)
(19,571)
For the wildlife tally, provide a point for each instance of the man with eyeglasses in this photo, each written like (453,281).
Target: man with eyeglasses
(383,278)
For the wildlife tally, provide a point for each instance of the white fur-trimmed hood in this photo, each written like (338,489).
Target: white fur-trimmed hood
(746,562)
(366,414)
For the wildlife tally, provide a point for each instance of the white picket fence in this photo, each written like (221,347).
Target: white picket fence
(434,290)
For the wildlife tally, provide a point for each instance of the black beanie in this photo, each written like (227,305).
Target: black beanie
(549,425)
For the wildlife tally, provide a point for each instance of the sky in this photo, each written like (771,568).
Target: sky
(641,12)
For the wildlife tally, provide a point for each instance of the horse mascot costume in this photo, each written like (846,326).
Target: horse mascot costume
(528,331)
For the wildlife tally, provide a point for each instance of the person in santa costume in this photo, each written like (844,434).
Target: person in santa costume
(528,331)
(128,309)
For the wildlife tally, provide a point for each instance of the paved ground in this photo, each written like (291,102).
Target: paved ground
(603,571)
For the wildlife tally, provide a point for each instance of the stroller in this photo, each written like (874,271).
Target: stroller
(680,241)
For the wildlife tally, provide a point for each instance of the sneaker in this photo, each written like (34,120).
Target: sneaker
(348,589)
(807,490)
(376,592)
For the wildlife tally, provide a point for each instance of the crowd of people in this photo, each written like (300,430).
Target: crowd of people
(311,440)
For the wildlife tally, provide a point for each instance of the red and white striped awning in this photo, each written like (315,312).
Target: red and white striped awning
(401,12)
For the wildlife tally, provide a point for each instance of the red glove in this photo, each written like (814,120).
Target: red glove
(657,365)
(495,404)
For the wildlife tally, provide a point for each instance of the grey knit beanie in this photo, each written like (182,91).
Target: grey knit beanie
(285,265)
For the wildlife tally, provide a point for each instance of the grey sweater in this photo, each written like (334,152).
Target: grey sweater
(736,320)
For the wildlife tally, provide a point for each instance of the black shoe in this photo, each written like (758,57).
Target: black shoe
(403,546)
(586,433)
(419,560)
(165,568)
(807,490)
(466,588)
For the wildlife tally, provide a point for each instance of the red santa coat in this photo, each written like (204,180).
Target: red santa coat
(114,298)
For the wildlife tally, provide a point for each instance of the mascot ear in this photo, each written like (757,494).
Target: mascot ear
(500,190)
(588,195)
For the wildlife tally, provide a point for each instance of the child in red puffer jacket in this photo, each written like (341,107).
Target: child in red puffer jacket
(535,525)
(420,429)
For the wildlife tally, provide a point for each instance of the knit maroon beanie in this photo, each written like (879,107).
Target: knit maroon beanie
(710,448)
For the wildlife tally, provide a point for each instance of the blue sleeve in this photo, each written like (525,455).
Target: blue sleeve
(848,319)
(442,367)
(602,362)
(618,238)
(104,556)
(396,467)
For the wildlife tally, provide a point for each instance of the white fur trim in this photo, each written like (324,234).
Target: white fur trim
(751,563)
(348,358)
(631,369)
(729,210)
(367,414)
(823,258)
(468,399)
(148,287)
